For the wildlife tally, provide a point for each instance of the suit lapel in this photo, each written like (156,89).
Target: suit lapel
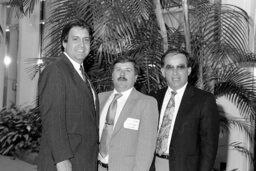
(78,80)
(97,110)
(77,77)
(160,98)
(103,99)
(126,111)
(184,109)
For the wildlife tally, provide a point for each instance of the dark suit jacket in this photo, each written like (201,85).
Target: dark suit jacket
(69,119)
(194,140)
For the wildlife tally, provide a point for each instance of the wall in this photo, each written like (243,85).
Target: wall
(29,49)
(21,44)
(2,53)
(9,49)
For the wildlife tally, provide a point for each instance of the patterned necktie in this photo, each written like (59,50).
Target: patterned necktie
(162,139)
(108,128)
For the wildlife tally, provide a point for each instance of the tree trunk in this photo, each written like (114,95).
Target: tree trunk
(161,23)
(186,25)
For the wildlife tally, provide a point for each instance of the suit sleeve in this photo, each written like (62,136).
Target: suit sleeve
(209,133)
(52,107)
(147,136)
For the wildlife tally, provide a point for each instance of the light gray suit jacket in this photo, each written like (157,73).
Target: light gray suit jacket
(131,149)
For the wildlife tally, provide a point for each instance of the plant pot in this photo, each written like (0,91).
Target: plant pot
(27,156)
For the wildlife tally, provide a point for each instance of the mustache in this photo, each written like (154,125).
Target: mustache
(122,79)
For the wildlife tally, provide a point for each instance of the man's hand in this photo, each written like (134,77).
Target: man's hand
(64,166)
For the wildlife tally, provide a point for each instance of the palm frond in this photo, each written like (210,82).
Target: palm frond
(240,147)
(241,124)
(61,12)
(215,26)
(21,8)
(237,84)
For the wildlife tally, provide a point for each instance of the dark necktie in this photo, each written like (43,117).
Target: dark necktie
(108,127)
(162,139)
(86,80)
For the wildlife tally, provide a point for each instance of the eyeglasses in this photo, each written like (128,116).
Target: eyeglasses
(179,68)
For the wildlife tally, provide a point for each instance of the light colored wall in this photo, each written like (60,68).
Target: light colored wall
(2,54)
(23,45)
(29,48)
(12,53)
(9,48)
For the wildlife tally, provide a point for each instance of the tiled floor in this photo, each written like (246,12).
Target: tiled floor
(10,164)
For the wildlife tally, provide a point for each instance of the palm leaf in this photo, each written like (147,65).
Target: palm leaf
(21,8)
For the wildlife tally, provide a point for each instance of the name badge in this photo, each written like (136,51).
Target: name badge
(132,123)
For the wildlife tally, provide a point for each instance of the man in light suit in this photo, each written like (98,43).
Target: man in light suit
(192,139)
(69,107)
(132,141)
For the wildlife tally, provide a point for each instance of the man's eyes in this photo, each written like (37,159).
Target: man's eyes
(179,67)
(123,70)
(84,39)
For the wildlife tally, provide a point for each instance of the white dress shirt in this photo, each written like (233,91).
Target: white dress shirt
(78,70)
(177,99)
(76,65)
(120,104)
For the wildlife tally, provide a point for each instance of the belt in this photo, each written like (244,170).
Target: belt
(104,165)
(162,156)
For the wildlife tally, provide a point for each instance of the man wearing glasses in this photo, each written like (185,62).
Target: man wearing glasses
(189,120)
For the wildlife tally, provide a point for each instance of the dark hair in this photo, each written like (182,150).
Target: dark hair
(124,59)
(175,52)
(69,26)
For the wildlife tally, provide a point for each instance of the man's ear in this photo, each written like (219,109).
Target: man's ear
(136,76)
(64,44)
(163,72)
(189,70)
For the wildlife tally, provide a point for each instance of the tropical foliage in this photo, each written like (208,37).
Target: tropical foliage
(20,7)
(20,129)
(215,35)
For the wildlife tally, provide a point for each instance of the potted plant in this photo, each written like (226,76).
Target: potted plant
(20,132)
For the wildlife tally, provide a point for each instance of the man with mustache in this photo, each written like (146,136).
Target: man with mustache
(128,122)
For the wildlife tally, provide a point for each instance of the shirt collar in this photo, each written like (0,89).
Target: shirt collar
(124,93)
(74,63)
(179,91)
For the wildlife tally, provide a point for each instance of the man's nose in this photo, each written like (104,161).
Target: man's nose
(122,73)
(81,43)
(175,71)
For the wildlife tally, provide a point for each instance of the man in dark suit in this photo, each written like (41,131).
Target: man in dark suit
(189,122)
(69,107)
